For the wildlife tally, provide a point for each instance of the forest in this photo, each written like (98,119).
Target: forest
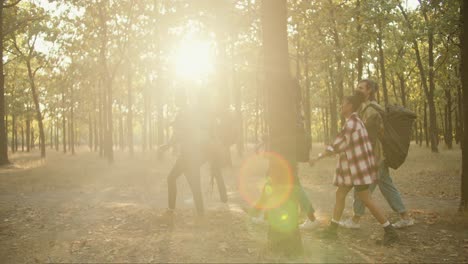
(81,73)
(98,84)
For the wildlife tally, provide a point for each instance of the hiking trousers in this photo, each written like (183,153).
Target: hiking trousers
(189,164)
(190,167)
(388,190)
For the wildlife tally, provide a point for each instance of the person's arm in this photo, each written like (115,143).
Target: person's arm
(339,145)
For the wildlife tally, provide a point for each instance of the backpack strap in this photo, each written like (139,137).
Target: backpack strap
(377,107)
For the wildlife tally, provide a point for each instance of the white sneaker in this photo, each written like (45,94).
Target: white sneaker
(309,225)
(404,223)
(350,224)
(258,220)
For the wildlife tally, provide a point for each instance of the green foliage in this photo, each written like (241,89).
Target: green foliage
(64,41)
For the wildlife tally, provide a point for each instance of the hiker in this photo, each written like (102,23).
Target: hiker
(374,125)
(193,131)
(356,169)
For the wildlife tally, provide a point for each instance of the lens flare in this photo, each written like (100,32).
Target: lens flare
(285,217)
(265,180)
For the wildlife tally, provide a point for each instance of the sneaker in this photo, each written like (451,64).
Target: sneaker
(390,236)
(258,220)
(309,225)
(404,223)
(350,224)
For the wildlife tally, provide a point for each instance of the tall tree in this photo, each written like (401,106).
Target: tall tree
(35,61)
(427,83)
(464,81)
(3,132)
(281,117)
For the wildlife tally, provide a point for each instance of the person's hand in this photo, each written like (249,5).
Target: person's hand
(328,150)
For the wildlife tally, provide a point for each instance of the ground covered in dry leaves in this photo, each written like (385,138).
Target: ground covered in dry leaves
(80,209)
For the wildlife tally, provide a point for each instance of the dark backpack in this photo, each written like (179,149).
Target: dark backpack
(398,124)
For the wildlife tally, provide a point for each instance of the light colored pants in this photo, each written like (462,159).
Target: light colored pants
(388,190)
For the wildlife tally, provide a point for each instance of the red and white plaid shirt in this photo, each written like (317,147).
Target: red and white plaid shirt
(356,164)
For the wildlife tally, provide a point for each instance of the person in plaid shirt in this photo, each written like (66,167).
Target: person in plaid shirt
(356,168)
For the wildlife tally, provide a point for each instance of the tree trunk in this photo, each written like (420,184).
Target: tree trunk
(426,133)
(129,114)
(150,124)
(160,119)
(145,119)
(430,95)
(420,134)
(307,110)
(402,88)
(96,131)
(69,142)
(13,128)
(339,85)
(16,137)
(327,126)
(460,113)
(428,88)
(359,50)
(101,118)
(28,135)
(281,119)
(382,63)
(57,134)
(257,107)
(238,103)
(121,131)
(106,84)
(64,122)
(464,81)
(90,132)
(72,122)
(22,138)
(32,138)
(51,138)
(394,89)
(449,124)
(333,105)
(324,124)
(442,115)
(37,108)
(3,136)
(458,131)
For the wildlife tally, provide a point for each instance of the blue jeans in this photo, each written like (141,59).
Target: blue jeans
(304,202)
(297,192)
(388,190)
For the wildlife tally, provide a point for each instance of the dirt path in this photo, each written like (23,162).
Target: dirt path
(79,209)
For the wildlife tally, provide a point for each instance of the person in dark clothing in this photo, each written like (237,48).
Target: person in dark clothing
(194,132)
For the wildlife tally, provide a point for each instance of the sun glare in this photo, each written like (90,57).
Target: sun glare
(194,59)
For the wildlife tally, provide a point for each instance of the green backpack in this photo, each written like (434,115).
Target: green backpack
(398,125)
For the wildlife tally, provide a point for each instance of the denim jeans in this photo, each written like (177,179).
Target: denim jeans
(297,192)
(304,202)
(388,190)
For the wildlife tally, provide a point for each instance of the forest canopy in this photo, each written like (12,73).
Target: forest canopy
(112,74)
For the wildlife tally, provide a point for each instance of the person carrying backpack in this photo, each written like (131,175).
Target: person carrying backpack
(370,113)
